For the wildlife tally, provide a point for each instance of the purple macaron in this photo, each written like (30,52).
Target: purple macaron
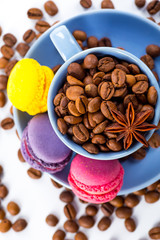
(41,147)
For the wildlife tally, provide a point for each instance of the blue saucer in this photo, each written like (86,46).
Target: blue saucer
(125,30)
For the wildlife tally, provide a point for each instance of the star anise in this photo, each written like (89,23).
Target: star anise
(130,125)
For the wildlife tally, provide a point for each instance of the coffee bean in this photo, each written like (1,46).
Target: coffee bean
(0,30)
(140,87)
(66,196)
(13,208)
(7,123)
(131,98)
(55,68)
(3,82)
(113,145)
(105,42)
(104,223)
(72,119)
(130,80)
(94,105)
(59,235)
(153,50)
(19,225)
(123,212)
(70,211)
(81,104)
(20,156)
(91,90)
(158,187)
(62,126)
(106,106)
(123,68)
(86,3)
(154,141)
(42,26)
(90,61)
(5,225)
(92,42)
(99,139)
(91,148)
(29,36)
(86,221)
(35,13)
(130,224)
(97,77)
(134,69)
(34,173)
(1,170)
(2,99)
(80,236)
(9,39)
(7,52)
(140,3)
(2,214)
(153,7)
(106,90)
(51,8)
(58,98)
(154,233)
(38,35)
(118,201)
(51,220)
(55,184)
(74,92)
(131,200)
(81,132)
(107,4)
(139,154)
(9,67)
(118,78)
(3,62)
(91,210)
(80,35)
(140,192)
(107,209)
(71,226)
(148,60)
(152,196)
(100,127)
(106,64)
(74,82)
(22,49)
(152,95)
(76,70)
(153,186)
(151,19)
(156,75)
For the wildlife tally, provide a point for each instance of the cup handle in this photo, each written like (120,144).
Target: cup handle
(64,42)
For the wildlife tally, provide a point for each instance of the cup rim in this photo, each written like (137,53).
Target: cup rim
(104,51)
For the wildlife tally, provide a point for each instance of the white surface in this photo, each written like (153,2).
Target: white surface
(38,198)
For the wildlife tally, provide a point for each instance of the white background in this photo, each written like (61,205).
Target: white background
(38,198)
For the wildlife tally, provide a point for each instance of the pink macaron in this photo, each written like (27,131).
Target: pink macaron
(95,181)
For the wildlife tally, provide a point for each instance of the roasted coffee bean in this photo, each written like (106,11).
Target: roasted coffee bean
(58,98)
(71,226)
(77,141)
(9,67)
(74,92)
(80,35)
(55,184)
(7,123)
(156,75)
(94,105)
(74,82)
(38,35)
(95,118)
(153,50)
(141,77)
(72,109)
(13,208)
(158,187)
(20,157)
(107,209)
(66,196)
(98,139)
(80,236)
(92,71)
(2,214)
(42,26)
(104,223)
(0,31)
(106,106)
(76,70)
(130,80)
(81,104)
(91,90)
(91,148)
(130,98)
(3,191)
(152,196)
(55,68)
(3,82)
(22,49)
(153,7)
(5,225)
(152,95)
(106,64)
(62,126)
(72,119)
(1,170)
(29,36)
(123,212)
(35,13)
(140,3)
(139,154)
(19,225)
(151,19)
(7,52)
(9,39)
(90,61)
(91,210)
(51,220)
(130,224)
(100,127)
(86,3)
(123,68)
(2,99)
(134,69)
(104,148)
(140,192)
(87,80)
(140,87)
(105,42)
(51,8)
(86,221)
(3,62)
(154,233)
(97,77)
(70,211)
(118,201)
(81,132)
(118,78)
(148,60)
(64,102)
(153,186)
(34,173)
(154,141)
(131,200)
(106,90)
(107,4)
(120,92)
(92,42)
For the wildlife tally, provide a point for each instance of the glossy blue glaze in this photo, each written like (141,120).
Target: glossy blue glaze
(125,30)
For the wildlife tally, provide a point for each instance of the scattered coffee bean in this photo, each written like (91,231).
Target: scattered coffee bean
(148,60)
(107,4)
(55,184)
(130,224)
(153,7)
(2,214)
(22,49)
(29,36)
(86,221)
(5,225)
(153,50)
(9,66)
(42,26)
(1,170)
(51,8)
(151,19)
(7,123)
(152,196)
(91,210)
(35,13)
(92,42)
(55,68)
(139,154)
(90,61)
(51,220)
(156,75)
(2,99)
(34,173)
(66,196)
(13,208)
(59,235)
(131,200)
(118,201)
(86,3)
(140,192)
(80,236)
(20,157)
(70,211)
(140,3)
(9,39)
(104,223)
(105,42)
(154,141)
(7,52)
(80,35)
(107,209)
(0,31)
(19,225)
(154,233)
(123,212)
(3,62)
(71,226)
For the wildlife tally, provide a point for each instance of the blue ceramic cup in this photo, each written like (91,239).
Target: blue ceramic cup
(70,51)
